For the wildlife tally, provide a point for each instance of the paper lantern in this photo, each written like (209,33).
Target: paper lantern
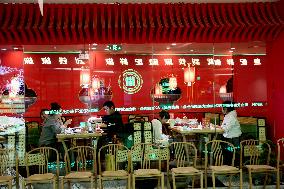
(96,83)
(158,89)
(189,74)
(173,82)
(223,89)
(85,77)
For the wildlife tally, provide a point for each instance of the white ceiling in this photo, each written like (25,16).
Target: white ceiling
(134,1)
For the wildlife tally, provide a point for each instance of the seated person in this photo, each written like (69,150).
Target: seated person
(157,125)
(112,120)
(52,126)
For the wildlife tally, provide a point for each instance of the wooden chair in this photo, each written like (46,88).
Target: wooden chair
(115,158)
(280,149)
(255,156)
(80,164)
(37,163)
(183,156)
(4,165)
(215,154)
(146,163)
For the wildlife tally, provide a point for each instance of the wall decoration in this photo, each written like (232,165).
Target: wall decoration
(130,81)
(165,92)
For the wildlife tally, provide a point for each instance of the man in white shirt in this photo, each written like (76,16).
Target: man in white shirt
(159,137)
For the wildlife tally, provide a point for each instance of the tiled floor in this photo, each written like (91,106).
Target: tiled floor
(222,183)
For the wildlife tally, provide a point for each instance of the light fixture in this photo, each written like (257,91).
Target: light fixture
(174,44)
(15,48)
(191,50)
(3,49)
(168,48)
(96,83)
(172,82)
(158,89)
(106,49)
(93,48)
(95,44)
(231,51)
(189,75)
(233,48)
(84,77)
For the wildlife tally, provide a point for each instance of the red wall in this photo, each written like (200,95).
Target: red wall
(276,88)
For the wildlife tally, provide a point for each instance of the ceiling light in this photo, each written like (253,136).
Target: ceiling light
(106,49)
(15,48)
(168,48)
(231,51)
(3,49)
(255,46)
(174,44)
(95,44)
(233,48)
(191,50)
(93,48)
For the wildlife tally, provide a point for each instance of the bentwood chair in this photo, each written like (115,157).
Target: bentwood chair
(80,164)
(280,150)
(38,165)
(255,157)
(114,163)
(146,163)
(5,179)
(182,157)
(215,153)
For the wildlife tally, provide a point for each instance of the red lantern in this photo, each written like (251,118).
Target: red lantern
(158,89)
(85,77)
(189,74)
(96,83)
(173,82)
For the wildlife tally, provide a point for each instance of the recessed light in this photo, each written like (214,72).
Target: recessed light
(233,48)
(191,50)
(106,49)
(15,48)
(174,44)
(231,51)
(95,44)
(168,48)
(93,48)
(3,49)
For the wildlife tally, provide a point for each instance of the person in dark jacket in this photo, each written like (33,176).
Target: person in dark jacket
(112,120)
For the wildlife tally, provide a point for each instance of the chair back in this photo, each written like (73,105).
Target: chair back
(280,151)
(145,156)
(114,157)
(41,160)
(255,152)
(182,154)
(215,152)
(80,158)
(4,160)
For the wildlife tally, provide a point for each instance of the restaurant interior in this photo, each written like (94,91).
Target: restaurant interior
(188,72)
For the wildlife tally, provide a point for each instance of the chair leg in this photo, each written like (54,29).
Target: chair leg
(92,182)
(168,180)
(205,178)
(241,179)
(201,181)
(62,183)
(10,184)
(54,184)
(193,178)
(265,180)
(162,181)
(230,181)
(278,179)
(174,181)
(213,180)
(250,179)
(129,181)
(133,181)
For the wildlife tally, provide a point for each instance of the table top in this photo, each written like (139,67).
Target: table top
(198,131)
(78,135)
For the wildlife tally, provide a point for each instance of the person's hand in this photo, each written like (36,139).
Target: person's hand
(68,122)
